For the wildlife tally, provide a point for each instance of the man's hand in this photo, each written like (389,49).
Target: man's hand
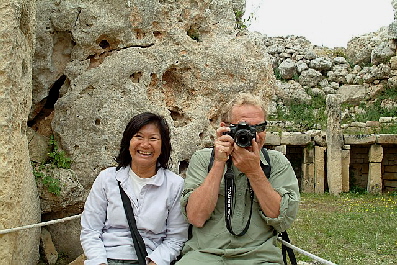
(223,144)
(247,160)
(203,199)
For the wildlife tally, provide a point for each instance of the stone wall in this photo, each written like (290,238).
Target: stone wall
(356,74)
(359,166)
(366,162)
(389,168)
(19,202)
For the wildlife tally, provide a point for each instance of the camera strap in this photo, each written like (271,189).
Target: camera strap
(230,189)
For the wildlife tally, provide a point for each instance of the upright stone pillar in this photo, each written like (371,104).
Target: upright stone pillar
(375,169)
(19,202)
(308,170)
(334,145)
(345,168)
(319,166)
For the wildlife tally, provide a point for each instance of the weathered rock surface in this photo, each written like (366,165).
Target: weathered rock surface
(172,80)
(357,73)
(19,202)
(98,64)
(71,193)
(49,251)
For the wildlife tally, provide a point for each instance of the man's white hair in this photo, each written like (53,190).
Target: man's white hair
(240,100)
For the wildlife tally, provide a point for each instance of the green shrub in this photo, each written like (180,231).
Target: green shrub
(374,110)
(57,159)
(242,23)
(52,184)
(277,74)
(388,129)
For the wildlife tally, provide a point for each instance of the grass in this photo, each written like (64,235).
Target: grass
(347,229)
(307,116)
(374,109)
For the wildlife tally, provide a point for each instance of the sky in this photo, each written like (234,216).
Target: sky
(330,23)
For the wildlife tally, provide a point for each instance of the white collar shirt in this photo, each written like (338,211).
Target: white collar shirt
(105,232)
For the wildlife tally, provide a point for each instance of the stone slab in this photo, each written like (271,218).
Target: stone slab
(359,139)
(386,139)
(272,138)
(292,138)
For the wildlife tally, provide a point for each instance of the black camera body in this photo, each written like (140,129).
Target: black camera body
(242,133)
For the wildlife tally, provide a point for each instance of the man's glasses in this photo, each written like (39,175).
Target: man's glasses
(260,127)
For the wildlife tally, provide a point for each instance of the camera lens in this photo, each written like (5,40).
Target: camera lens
(243,138)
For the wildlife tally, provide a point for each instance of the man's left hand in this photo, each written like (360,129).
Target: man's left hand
(247,160)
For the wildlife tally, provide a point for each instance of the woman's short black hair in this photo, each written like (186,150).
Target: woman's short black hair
(135,124)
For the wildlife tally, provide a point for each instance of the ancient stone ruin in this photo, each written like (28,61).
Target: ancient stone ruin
(19,200)
(74,72)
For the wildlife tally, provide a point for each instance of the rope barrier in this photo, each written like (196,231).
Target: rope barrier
(5,231)
(323,261)
(11,230)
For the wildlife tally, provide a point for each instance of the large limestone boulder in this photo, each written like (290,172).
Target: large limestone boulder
(181,60)
(90,30)
(19,202)
(383,52)
(352,93)
(186,83)
(359,49)
(102,62)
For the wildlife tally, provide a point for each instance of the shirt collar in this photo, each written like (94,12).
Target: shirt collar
(123,175)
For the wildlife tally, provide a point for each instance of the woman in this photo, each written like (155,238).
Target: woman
(154,192)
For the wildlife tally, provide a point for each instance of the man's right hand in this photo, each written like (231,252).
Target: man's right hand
(223,144)
(203,199)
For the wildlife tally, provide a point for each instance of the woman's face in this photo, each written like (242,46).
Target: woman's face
(145,146)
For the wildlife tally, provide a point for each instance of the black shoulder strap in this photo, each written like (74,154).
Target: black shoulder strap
(286,250)
(266,168)
(211,159)
(139,245)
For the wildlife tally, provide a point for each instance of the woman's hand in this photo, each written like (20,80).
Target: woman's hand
(152,263)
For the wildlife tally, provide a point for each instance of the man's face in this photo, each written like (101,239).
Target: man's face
(252,115)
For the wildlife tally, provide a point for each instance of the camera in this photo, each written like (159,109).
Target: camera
(242,133)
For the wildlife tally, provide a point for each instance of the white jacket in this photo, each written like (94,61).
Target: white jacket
(105,232)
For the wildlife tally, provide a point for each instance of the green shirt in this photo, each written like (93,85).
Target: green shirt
(259,243)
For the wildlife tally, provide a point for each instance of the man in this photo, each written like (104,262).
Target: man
(274,206)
